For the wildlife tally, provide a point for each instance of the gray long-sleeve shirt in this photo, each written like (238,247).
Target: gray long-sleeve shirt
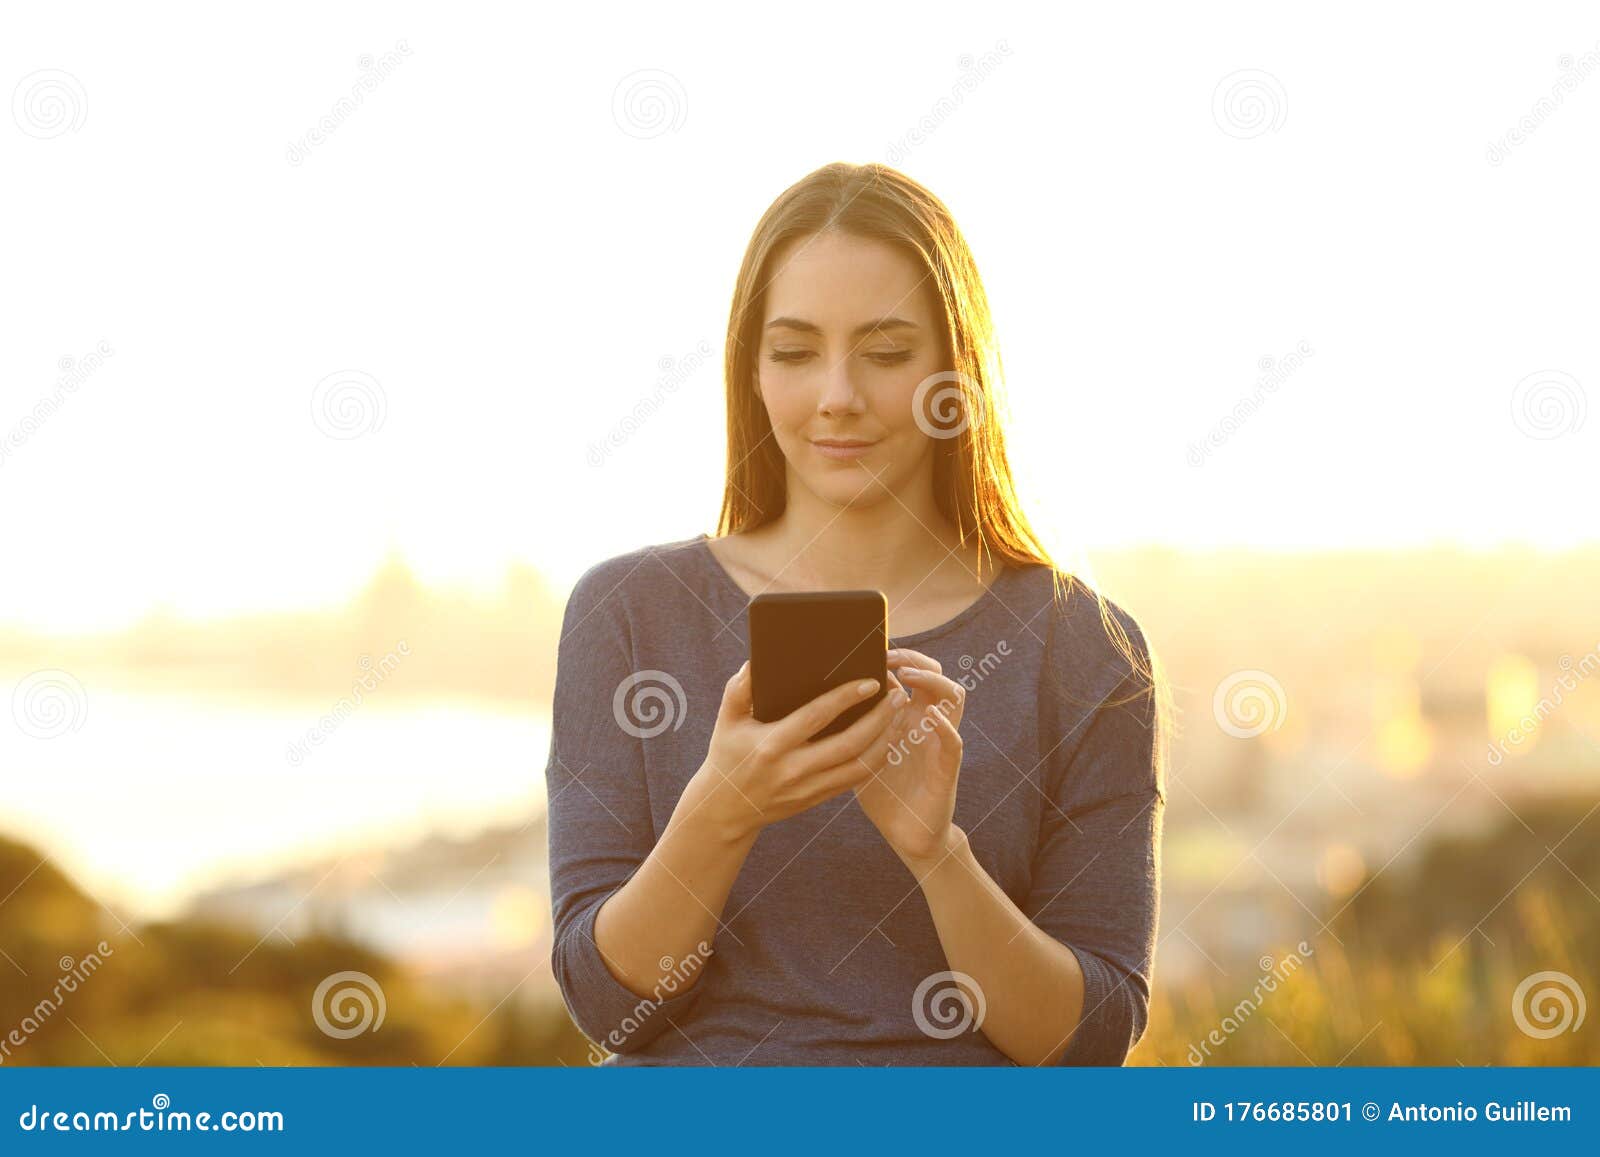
(828,953)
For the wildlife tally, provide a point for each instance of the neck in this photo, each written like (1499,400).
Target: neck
(894,544)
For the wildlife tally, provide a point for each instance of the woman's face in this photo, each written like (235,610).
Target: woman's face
(851,329)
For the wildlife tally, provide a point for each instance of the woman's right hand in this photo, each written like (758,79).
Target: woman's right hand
(758,773)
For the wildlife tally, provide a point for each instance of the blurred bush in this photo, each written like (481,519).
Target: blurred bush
(1427,963)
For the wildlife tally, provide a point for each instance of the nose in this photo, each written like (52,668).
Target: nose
(839,394)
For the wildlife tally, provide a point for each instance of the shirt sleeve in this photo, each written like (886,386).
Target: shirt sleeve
(599,820)
(1097,871)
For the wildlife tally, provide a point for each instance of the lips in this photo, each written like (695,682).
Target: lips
(842,448)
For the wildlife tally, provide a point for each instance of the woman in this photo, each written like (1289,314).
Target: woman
(968,873)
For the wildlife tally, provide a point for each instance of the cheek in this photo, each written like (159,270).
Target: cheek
(788,407)
(893,406)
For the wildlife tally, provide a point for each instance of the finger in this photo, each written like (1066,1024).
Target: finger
(906,657)
(945,728)
(853,740)
(929,688)
(805,721)
(863,768)
(835,781)
(736,694)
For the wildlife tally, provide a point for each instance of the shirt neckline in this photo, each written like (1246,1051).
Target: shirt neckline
(970,611)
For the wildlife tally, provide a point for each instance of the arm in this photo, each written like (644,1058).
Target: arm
(1044,997)
(1032,986)
(630,939)
(673,904)
(1071,985)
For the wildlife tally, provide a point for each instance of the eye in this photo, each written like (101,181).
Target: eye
(891,357)
(788,355)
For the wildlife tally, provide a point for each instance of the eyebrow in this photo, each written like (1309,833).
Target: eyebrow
(866,327)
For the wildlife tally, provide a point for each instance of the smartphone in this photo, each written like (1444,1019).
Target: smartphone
(805,643)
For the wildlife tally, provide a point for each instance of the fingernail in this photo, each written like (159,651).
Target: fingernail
(866,686)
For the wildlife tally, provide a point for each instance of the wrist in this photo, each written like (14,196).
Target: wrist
(716,812)
(952,850)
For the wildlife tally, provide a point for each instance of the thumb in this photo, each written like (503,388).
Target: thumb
(736,698)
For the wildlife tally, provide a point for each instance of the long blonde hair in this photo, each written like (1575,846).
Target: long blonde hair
(972,479)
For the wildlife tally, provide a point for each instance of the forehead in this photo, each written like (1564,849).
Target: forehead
(837,281)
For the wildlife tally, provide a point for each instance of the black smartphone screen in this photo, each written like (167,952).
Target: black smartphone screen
(805,643)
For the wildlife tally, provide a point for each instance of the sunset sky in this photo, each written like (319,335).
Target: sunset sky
(510,248)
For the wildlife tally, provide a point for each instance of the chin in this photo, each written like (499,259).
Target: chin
(849,488)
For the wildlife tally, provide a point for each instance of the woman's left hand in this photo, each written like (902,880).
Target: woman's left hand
(912,799)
